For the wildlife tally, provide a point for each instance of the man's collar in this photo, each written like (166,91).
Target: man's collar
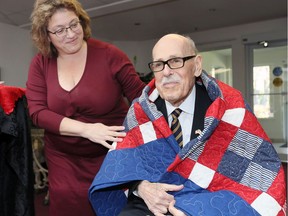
(187,105)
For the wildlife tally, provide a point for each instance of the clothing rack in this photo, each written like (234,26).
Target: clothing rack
(16,160)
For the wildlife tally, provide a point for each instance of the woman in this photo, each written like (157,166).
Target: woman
(75,90)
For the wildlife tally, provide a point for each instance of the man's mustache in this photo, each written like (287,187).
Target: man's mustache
(170,79)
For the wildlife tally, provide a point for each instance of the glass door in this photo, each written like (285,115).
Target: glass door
(268,88)
(218,63)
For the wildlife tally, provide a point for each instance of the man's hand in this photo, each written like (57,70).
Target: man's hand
(156,197)
(174,211)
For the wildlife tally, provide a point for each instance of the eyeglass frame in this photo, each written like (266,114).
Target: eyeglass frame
(65,29)
(184,59)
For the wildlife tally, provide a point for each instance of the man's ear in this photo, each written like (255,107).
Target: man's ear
(198,65)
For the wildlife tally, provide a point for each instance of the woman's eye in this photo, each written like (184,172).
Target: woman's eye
(74,25)
(60,31)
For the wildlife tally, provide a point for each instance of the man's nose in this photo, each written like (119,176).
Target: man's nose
(167,70)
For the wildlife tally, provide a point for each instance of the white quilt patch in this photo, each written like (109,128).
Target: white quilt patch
(148,132)
(201,175)
(266,205)
(234,116)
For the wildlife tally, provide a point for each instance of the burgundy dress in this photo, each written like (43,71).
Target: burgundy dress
(98,97)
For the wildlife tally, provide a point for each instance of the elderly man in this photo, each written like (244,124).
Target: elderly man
(193,147)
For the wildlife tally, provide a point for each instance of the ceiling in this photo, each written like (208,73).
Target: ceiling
(134,20)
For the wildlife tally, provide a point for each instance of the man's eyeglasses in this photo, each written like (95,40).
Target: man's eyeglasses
(62,32)
(173,63)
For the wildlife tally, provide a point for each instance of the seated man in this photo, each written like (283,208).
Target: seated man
(215,160)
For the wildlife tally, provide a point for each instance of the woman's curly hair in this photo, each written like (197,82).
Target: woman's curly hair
(43,11)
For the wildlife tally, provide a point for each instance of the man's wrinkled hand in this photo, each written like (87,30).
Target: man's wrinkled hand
(156,195)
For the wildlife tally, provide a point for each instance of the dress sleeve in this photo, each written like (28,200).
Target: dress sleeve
(125,73)
(36,93)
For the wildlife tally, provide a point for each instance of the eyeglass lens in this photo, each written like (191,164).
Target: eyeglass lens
(63,31)
(172,64)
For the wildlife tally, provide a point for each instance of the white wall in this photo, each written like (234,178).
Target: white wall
(16,51)
(217,38)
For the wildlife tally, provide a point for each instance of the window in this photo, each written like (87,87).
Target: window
(261,86)
(268,88)
(218,63)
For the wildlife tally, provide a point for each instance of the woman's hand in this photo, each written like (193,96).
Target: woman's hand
(95,132)
(102,134)
(156,197)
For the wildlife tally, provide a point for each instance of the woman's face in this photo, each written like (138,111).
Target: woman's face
(65,32)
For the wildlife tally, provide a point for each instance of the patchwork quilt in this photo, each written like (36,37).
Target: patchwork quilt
(231,168)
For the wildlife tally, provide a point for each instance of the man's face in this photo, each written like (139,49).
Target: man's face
(174,85)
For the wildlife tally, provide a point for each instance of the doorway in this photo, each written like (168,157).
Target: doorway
(267,88)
